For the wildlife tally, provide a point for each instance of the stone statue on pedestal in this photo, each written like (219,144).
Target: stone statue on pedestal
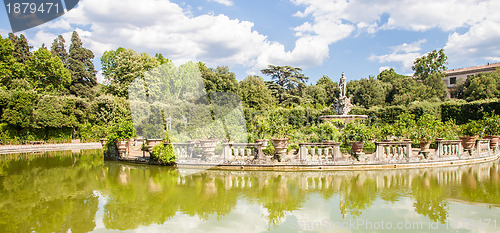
(343,104)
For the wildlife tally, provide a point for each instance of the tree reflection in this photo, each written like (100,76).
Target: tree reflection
(57,193)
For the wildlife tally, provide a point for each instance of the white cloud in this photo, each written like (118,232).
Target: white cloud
(164,26)
(479,17)
(404,54)
(223,2)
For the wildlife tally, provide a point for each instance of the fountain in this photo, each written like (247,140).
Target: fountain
(343,106)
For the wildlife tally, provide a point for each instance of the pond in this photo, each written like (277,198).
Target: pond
(79,192)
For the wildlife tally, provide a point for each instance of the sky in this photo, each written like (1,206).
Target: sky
(323,37)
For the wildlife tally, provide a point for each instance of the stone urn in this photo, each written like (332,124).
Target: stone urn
(357,147)
(468,142)
(493,140)
(150,143)
(121,145)
(208,146)
(424,145)
(280,145)
(264,142)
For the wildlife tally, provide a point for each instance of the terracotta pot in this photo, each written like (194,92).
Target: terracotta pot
(152,142)
(357,147)
(280,145)
(264,142)
(208,146)
(424,145)
(468,142)
(121,145)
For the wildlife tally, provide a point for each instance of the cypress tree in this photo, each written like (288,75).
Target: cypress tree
(59,50)
(80,63)
(21,48)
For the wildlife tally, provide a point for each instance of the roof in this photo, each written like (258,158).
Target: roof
(474,69)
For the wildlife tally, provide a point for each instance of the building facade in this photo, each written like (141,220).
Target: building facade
(456,76)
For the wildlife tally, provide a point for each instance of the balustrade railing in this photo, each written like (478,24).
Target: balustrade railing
(319,151)
(448,149)
(393,151)
(236,151)
(483,147)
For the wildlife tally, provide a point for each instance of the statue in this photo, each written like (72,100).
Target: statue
(343,104)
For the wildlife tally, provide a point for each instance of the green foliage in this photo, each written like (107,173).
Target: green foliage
(405,124)
(472,128)
(122,129)
(219,79)
(80,63)
(122,66)
(329,131)
(427,128)
(357,131)
(480,86)
(368,92)
(254,93)
(21,48)
(463,112)
(58,49)
(449,130)
(433,62)
(491,123)
(47,73)
(164,154)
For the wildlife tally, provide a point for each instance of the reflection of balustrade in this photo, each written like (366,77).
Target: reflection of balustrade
(392,151)
(242,151)
(483,147)
(447,149)
(320,151)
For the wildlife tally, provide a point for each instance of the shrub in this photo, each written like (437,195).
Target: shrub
(164,154)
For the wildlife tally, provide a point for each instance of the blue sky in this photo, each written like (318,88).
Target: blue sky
(323,37)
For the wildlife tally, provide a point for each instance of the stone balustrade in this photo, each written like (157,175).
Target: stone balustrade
(483,148)
(393,152)
(319,151)
(235,151)
(448,149)
(184,150)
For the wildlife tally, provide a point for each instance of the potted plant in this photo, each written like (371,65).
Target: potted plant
(491,123)
(328,132)
(426,129)
(470,133)
(404,126)
(279,129)
(356,133)
(122,131)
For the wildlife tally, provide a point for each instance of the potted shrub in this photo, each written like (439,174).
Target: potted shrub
(261,129)
(279,129)
(426,129)
(328,132)
(449,130)
(122,131)
(356,133)
(470,133)
(491,123)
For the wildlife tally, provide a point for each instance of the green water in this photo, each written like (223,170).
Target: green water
(79,192)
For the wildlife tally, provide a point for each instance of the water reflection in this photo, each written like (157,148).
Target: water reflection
(58,193)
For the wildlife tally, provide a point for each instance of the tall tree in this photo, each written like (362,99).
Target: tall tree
(8,64)
(47,73)
(433,62)
(21,48)
(254,93)
(122,66)
(219,79)
(287,79)
(58,49)
(80,63)
(285,76)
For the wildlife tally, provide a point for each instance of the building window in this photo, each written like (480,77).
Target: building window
(453,80)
